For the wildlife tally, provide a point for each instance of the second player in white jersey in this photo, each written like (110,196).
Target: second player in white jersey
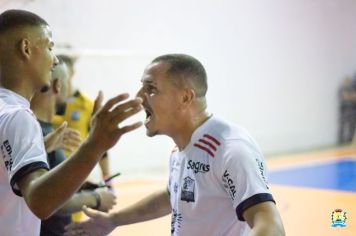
(214,179)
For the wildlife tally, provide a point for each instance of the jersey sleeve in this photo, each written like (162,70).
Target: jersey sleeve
(243,176)
(23,148)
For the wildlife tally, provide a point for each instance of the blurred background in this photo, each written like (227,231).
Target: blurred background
(275,67)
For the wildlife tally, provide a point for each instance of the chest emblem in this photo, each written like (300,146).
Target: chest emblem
(75,115)
(188,187)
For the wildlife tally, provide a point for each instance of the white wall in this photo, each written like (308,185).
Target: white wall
(273,66)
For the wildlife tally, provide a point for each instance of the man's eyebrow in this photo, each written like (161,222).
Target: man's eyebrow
(147,81)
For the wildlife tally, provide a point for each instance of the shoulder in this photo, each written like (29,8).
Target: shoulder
(22,122)
(232,140)
(19,116)
(228,133)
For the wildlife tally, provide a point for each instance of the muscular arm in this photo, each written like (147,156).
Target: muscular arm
(264,219)
(154,206)
(99,223)
(56,186)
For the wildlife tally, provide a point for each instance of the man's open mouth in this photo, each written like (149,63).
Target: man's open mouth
(148,116)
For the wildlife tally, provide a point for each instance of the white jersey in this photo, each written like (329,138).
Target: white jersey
(215,179)
(21,151)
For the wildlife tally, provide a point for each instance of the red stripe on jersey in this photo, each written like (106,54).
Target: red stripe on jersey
(207,143)
(212,139)
(204,148)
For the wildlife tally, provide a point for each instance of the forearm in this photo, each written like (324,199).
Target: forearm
(77,201)
(104,166)
(154,206)
(56,186)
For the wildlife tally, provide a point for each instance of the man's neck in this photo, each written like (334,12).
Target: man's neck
(19,87)
(183,137)
(43,107)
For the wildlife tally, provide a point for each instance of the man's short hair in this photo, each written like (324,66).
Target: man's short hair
(12,19)
(60,63)
(187,69)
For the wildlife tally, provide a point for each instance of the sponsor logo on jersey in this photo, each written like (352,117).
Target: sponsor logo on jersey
(7,156)
(229,184)
(176,222)
(188,187)
(198,166)
(262,171)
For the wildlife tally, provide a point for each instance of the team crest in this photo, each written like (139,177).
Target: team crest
(75,115)
(338,218)
(188,190)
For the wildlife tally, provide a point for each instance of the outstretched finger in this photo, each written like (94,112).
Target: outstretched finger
(62,128)
(67,148)
(70,144)
(120,115)
(72,135)
(109,104)
(129,128)
(98,101)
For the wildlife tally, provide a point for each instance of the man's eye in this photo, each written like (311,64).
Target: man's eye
(151,89)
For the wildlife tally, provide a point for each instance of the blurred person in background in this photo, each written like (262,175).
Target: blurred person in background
(43,104)
(347,96)
(77,110)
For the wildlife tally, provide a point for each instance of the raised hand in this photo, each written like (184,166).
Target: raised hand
(98,224)
(63,137)
(54,139)
(105,130)
(71,140)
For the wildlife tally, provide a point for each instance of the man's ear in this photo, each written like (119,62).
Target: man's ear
(56,86)
(25,48)
(188,96)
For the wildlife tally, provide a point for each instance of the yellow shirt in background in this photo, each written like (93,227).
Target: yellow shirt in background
(77,112)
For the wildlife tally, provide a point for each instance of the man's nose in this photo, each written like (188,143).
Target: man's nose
(55,60)
(140,94)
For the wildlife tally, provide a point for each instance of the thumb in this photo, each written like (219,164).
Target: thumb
(98,101)
(61,128)
(90,212)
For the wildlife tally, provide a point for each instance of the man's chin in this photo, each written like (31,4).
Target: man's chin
(150,133)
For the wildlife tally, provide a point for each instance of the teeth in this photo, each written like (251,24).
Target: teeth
(148,119)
